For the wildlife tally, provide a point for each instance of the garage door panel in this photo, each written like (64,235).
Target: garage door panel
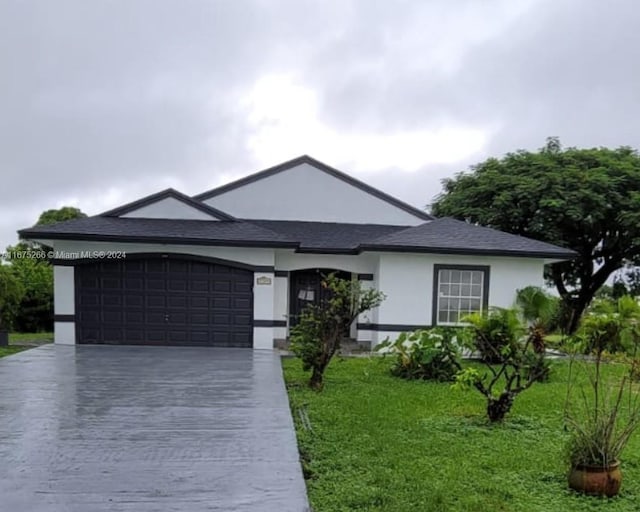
(177,285)
(156,284)
(134,301)
(133,317)
(158,301)
(221,302)
(199,319)
(177,301)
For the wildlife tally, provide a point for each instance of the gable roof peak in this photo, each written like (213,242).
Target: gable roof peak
(165,194)
(317,164)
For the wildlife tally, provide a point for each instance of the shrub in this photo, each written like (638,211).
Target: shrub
(520,363)
(494,332)
(321,327)
(427,354)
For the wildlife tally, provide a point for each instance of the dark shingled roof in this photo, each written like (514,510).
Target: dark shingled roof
(328,236)
(443,236)
(198,232)
(450,236)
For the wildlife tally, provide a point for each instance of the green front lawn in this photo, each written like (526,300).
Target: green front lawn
(17,338)
(378,443)
(7,351)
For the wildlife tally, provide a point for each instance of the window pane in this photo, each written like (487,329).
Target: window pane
(445,276)
(459,294)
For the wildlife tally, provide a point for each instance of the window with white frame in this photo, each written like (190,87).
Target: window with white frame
(459,291)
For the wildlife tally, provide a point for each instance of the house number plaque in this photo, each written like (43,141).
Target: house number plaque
(263,280)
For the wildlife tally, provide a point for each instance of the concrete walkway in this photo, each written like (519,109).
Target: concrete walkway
(99,428)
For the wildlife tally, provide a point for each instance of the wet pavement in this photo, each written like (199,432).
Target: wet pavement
(166,429)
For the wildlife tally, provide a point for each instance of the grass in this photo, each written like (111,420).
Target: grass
(19,341)
(7,351)
(378,443)
(18,338)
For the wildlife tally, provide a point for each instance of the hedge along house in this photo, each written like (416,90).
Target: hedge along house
(230,267)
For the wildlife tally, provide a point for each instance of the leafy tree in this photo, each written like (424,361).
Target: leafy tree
(587,200)
(11,293)
(34,272)
(321,328)
(60,215)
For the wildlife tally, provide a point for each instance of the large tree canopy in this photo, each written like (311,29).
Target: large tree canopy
(585,199)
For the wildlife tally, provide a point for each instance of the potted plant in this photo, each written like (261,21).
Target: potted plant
(602,408)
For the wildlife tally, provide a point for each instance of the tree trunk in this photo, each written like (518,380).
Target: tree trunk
(575,308)
(316,381)
(497,408)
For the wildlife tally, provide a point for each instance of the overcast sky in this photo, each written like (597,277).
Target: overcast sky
(102,102)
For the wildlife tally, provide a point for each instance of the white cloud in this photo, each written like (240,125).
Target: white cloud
(285,119)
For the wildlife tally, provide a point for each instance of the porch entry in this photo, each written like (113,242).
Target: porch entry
(305,287)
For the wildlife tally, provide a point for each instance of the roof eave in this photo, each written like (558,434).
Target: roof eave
(85,237)
(557,256)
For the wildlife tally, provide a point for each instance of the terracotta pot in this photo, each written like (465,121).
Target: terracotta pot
(596,480)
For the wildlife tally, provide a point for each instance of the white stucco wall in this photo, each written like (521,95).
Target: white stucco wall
(281,305)
(407,280)
(290,260)
(306,193)
(63,290)
(258,257)
(169,208)
(64,333)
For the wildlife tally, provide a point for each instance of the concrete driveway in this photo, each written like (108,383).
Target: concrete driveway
(97,428)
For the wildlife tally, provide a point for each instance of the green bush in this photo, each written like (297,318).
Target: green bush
(496,332)
(427,354)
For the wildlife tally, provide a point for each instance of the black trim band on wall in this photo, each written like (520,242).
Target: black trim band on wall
(64,318)
(390,327)
(163,255)
(281,273)
(365,277)
(486,269)
(269,323)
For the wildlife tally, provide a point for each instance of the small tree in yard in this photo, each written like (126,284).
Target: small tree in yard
(321,327)
(517,365)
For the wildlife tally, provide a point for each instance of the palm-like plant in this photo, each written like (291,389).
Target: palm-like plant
(538,310)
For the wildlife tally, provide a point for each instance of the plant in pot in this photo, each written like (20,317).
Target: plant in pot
(602,408)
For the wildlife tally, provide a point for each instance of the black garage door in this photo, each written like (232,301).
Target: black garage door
(164,301)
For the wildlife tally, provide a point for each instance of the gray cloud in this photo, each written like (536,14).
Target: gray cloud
(116,99)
